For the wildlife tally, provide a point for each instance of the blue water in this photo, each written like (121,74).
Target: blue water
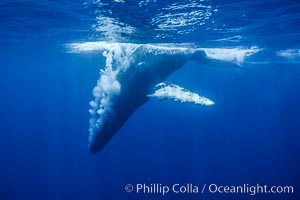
(250,136)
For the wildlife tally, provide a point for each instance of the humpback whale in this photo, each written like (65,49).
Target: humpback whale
(134,73)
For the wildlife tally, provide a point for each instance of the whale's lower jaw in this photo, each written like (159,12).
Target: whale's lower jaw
(121,109)
(108,130)
(111,125)
(100,138)
(98,142)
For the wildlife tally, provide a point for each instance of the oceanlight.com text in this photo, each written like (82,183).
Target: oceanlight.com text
(250,189)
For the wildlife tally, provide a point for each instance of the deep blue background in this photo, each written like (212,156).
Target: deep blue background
(251,135)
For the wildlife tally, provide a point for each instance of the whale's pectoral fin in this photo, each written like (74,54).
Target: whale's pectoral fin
(177,93)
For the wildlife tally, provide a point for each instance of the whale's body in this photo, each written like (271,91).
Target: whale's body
(136,72)
(145,71)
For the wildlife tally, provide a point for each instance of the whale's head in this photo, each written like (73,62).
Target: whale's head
(124,85)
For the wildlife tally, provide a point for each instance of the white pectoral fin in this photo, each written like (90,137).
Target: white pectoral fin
(177,93)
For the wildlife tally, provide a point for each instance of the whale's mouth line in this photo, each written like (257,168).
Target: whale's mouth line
(123,58)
